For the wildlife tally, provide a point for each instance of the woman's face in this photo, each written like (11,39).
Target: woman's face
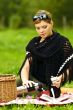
(44,29)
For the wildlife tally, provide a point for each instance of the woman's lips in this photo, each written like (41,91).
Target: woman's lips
(42,34)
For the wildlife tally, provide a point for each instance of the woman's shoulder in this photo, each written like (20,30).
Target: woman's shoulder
(62,37)
(34,38)
(64,41)
(32,41)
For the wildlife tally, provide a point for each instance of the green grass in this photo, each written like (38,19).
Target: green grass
(12,49)
(12,53)
(36,107)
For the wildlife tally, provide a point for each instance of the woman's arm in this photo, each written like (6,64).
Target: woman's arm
(25,72)
(25,75)
(67,72)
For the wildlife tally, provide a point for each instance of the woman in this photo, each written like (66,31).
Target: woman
(45,54)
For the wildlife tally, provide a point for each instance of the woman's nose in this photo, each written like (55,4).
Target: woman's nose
(41,30)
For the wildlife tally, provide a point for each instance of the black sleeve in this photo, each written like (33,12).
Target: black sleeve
(67,47)
(28,53)
(68,69)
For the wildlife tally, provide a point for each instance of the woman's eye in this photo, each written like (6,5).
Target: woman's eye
(44,27)
(37,28)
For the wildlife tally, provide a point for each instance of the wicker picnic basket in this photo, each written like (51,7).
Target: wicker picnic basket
(8,90)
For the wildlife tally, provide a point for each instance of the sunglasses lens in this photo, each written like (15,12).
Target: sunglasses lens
(35,18)
(41,17)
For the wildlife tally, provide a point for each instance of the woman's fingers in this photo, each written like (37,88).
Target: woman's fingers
(28,83)
(57,82)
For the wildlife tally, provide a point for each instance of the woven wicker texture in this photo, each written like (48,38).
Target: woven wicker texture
(8,90)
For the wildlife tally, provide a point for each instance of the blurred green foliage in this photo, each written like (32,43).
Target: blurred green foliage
(15,21)
(25,9)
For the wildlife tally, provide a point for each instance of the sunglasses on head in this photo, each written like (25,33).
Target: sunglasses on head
(41,17)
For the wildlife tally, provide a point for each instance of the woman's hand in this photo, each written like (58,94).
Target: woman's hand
(28,83)
(57,81)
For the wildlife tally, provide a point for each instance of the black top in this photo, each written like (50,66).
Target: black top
(47,56)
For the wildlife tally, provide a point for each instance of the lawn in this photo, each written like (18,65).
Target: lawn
(12,54)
